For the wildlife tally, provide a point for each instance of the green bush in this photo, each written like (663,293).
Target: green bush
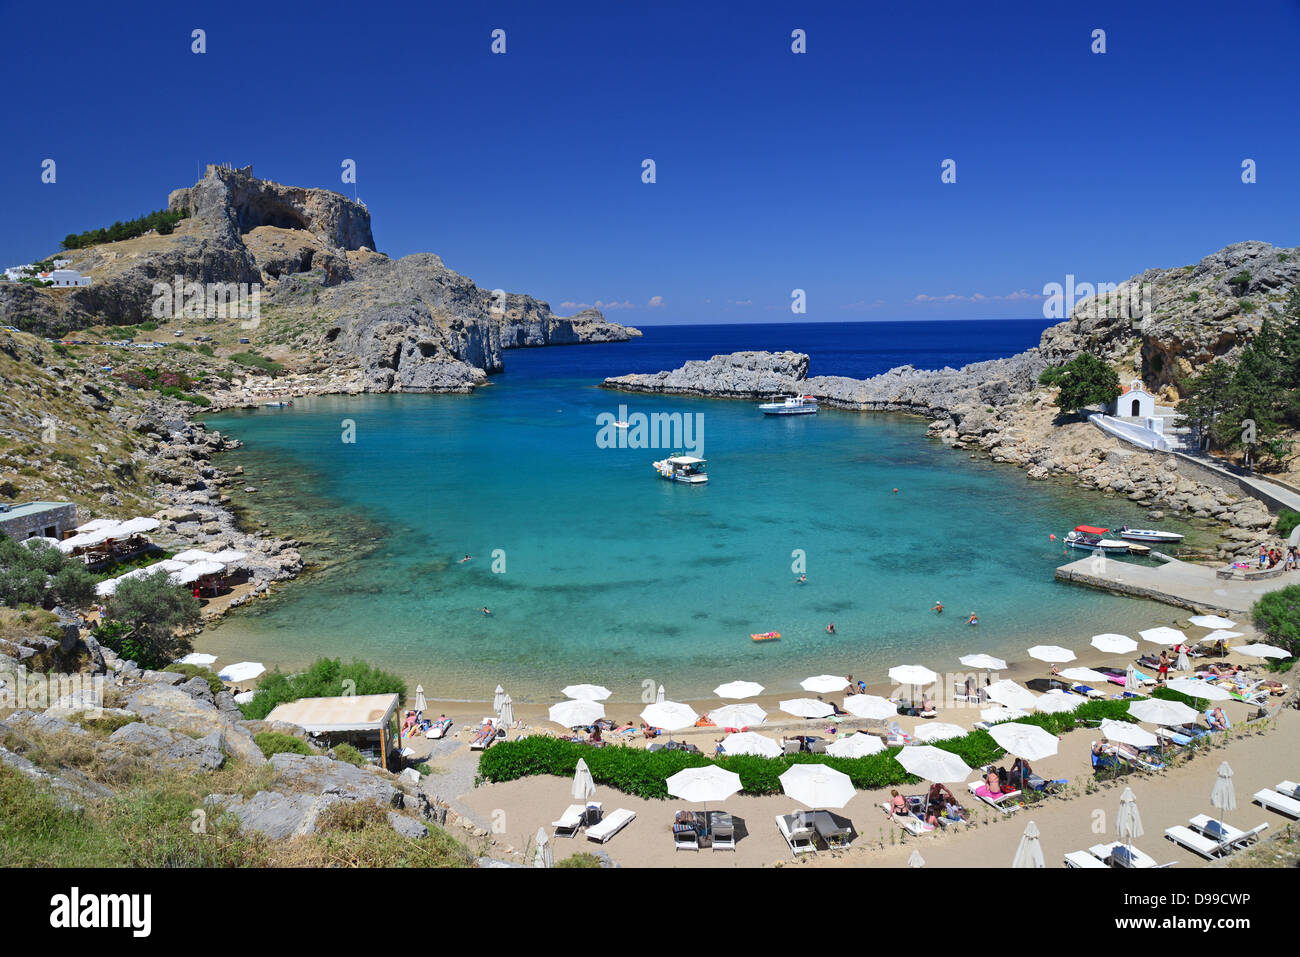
(1277,616)
(262,364)
(324,678)
(205,350)
(346,752)
(42,575)
(146,613)
(273,742)
(1287,520)
(579,860)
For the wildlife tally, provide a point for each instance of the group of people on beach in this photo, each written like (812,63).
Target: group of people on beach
(1270,557)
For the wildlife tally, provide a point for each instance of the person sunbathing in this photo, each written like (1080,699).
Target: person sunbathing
(927,704)
(1217,720)
(1020,771)
(485,733)
(897,804)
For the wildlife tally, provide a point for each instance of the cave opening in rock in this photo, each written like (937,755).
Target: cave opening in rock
(266,213)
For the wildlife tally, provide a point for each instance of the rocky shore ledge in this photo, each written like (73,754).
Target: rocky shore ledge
(994,408)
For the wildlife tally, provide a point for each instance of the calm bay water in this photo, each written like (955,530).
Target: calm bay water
(608,574)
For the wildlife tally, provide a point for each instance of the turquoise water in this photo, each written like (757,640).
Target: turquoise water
(606,573)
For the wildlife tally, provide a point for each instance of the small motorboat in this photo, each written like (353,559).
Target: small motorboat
(683,468)
(791,405)
(766,636)
(1092,538)
(1149,535)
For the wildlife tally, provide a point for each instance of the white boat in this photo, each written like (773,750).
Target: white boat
(1091,538)
(791,405)
(1152,535)
(683,468)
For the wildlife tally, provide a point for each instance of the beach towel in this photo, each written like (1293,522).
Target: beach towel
(984,792)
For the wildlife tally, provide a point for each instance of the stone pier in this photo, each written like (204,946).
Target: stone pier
(1197,588)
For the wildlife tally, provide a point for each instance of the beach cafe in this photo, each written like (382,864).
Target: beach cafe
(105,540)
(368,722)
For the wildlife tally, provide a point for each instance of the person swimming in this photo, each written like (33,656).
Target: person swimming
(938,608)
(972,620)
(463,560)
(485,610)
(802,579)
(830,629)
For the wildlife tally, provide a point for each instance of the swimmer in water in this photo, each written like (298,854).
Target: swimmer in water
(801,579)
(972,620)
(830,630)
(938,608)
(485,610)
(463,560)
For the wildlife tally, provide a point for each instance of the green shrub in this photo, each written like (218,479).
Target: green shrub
(579,860)
(1193,297)
(262,364)
(346,752)
(324,678)
(1287,520)
(273,742)
(205,350)
(1277,616)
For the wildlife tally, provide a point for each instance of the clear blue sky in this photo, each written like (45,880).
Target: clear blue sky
(775,171)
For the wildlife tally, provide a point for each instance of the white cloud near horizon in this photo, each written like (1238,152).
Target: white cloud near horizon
(654,303)
(1018,295)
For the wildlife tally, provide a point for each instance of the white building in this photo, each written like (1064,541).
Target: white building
(1135,402)
(65,277)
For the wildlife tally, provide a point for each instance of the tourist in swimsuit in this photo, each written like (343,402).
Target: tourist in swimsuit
(938,608)
(485,610)
(972,620)
(897,803)
(1163,674)
(830,629)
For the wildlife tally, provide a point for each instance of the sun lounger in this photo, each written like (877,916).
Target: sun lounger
(570,821)
(832,834)
(798,833)
(1004,802)
(1082,859)
(485,736)
(1288,789)
(1214,829)
(438,729)
(1119,854)
(1274,801)
(908,822)
(685,838)
(611,825)
(722,831)
(1198,843)
(1088,692)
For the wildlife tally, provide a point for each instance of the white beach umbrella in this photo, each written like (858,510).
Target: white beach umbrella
(1114,644)
(858,745)
(737,715)
(1220,635)
(1053,654)
(738,689)
(587,692)
(1224,795)
(1085,674)
(669,715)
(420,703)
(1131,682)
(1012,695)
(507,712)
(939,731)
(575,714)
(197,658)
(1057,701)
(1258,650)
(95,524)
(1030,851)
(241,671)
(1126,733)
(982,661)
(137,526)
(750,742)
(701,785)
(916,860)
(245,696)
(872,707)
(912,675)
(1183,664)
(1027,741)
(1211,621)
(229,556)
(1002,713)
(933,764)
(1164,635)
(824,684)
(1197,688)
(1159,711)
(583,786)
(659,695)
(543,857)
(809,708)
(817,785)
(193,555)
(496,698)
(1128,822)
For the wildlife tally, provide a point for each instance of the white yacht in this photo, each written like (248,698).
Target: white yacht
(1091,538)
(683,468)
(791,405)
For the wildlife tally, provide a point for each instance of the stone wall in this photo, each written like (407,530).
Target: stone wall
(62,516)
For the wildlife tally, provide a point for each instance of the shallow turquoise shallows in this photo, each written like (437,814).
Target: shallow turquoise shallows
(606,573)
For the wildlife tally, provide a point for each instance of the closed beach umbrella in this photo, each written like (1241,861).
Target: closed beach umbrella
(809,708)
(1159,711)
(817,785)
(575,714)
(1182,664)
(1085,674)
(1131,679)
(858,745)
(1027,741)
(245,696)
(933,764)
(1164,635)
(870,706)
(1114,644)
(420,703)
(197,659)
(669,715)
(583,786)
(701,785)
(1224,795)
(586,692)
(496,698)
(1199,689)
(986,662)
(1056,701)
(939,731)
(1012,695)
(916,860)
(543,857)
(738,689)
(824,684)
(1258,650)
(1211,621)
(659,695)
(1030,852)
(1053,654)
(737,715)
(749,742)
(241,671)
(1128,823)
(507,712)
(1126,733)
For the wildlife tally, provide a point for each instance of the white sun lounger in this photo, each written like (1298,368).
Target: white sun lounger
(1004,804)
(1119,850)
(1275,801)
(1198,843)
(908,822)
(1082,859)
(570,821)
(1213,828)
(1288,789)
(801,837)
(611,825)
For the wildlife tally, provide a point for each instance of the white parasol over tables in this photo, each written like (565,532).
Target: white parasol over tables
(933,764)
(737,715)
(1164,635)
(197,658)
(1027,741)
(1052,654)
(241,671)
(1012,695)
(858,745)
(576,714)
(1258,650)
(1030,852)
(587,692)
(1197,688)
(939,731)
(872,707)
(824,684)
(984,662)
(817,785)
(809,708)
(1126,733)
(1211,621)
(1084,674)
(701,785)
(1160,711)
(583,786)
(750,742)
(1114,644)
(669,715)
(1058,700)
(738,689)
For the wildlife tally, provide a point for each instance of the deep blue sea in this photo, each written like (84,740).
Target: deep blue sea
(596,570)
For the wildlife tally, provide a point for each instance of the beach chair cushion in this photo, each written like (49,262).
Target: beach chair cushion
(796,833)
(1274,801)
(1197,843)
(1083,859)
(611,825)
(570,820)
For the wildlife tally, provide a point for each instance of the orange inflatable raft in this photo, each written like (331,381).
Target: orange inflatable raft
(766,636)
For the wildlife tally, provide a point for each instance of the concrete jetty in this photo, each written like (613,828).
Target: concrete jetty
(1195,587)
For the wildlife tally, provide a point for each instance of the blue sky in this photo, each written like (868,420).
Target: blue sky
(775,171)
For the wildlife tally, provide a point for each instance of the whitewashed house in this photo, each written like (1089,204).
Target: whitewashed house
(65,277)
(1135,402)
(14,273)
